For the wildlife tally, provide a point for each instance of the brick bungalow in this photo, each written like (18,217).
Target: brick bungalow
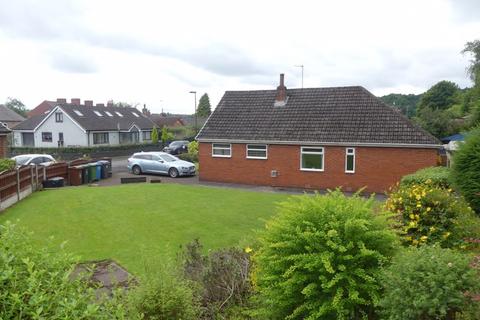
(313,138)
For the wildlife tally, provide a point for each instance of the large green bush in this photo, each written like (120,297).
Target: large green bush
(466,169)
(6,164)
(435,176)
(320,258)
(427,214)
(428,283)
(36,283)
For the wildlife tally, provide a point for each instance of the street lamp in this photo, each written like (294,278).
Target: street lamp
(300,66)
(195,109)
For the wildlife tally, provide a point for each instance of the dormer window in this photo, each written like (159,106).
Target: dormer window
(109,114)
(119,114)
(136,115)
(98,113)
(78,113)
(58,117)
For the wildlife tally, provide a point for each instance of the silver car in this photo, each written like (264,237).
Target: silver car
(159,162)
(33,159)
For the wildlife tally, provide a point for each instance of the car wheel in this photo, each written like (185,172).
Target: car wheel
(173,173)
(136,170)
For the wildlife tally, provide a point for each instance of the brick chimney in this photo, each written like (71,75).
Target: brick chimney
(88,103)
(109,103)
(100,105)
(61,100)
(145,111)
(75,101)
(281,97)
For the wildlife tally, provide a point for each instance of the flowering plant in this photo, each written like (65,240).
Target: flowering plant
(427,214)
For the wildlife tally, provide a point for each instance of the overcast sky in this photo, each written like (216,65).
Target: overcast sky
(155,52)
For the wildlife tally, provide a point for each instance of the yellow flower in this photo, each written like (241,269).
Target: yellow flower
(428,209)
(411,216)
(418,197)
(248,249)
(423,238)
(446,235)
(414,242)
(450,190)
(432,229)
(418,205)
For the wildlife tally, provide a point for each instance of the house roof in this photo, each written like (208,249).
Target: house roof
(162,120)
(8,115)
(42,108)
(311,115)
(88,119)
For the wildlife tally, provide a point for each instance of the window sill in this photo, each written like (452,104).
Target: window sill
(349,172)
(257,158)
(312,170)
(220,156)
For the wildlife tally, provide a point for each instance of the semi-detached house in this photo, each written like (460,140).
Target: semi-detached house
(73,124)
(314,138)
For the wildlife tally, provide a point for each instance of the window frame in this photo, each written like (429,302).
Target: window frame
(254,157)
(347,154)
(221,155)
(46,133)
(105,134)
(144,135)
(58,117)
(322,153)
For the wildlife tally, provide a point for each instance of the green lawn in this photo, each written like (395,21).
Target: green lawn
(141,224)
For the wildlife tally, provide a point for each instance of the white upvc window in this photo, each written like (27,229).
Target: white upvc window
(222,150)
(350,160)
(312,158)
(257,151)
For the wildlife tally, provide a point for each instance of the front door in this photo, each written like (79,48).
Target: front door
(60,139)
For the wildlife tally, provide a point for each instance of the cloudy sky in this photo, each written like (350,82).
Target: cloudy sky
(155,52)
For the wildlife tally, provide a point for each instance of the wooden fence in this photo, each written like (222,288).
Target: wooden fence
(19,183)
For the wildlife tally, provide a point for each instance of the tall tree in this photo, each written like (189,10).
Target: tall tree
(406,103)
(204,109)
(17,106)
(441,96)
(473,48)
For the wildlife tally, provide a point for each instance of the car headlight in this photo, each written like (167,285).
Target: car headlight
(184,168)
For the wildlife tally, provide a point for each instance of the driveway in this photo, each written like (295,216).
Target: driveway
(119,169)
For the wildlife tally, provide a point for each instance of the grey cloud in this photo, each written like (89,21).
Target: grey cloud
(65,61)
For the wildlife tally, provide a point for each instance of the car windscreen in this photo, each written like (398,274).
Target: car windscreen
(168,158)
(21,160)
(175,144)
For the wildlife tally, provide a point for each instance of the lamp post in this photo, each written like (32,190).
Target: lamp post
(195,109)
(300,66)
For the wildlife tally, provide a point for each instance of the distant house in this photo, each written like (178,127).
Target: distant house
(9,117)
(74,124)
(162,120)
(45,107)
(4,131)
(313,138)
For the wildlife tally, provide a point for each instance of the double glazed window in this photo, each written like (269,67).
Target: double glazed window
(100,138)
(146,135)
(46,136)
(350,160)
(312,158)
(221,150)
(256,151)
(58,117)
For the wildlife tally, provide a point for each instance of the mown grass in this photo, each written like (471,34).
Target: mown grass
(142,224)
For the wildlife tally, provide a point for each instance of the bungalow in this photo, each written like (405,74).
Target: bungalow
(312,138)
(8,117)
(4,131)
(73,124)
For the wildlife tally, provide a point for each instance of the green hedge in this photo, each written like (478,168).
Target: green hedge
(85,150)
(6,164)
(437,176)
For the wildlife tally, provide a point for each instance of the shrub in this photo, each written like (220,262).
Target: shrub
(320,258)
(155,135)
(163,295)
(427,215)
(435,176)
(192,154)
(35,283)
(6,164)
(466,169)
(223,277)
(428,283)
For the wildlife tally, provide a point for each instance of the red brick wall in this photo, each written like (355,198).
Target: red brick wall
(375,168)
(3,146)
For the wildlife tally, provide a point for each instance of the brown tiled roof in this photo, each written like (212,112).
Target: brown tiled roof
(42,108)
(169,121)
(321,115)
